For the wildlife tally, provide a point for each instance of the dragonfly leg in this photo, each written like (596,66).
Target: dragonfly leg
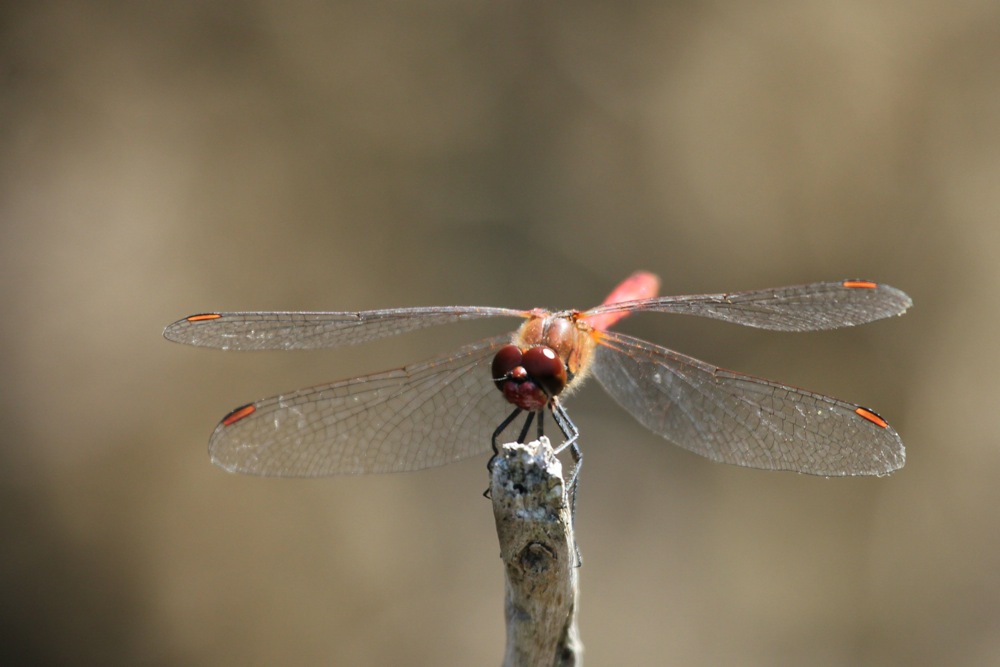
(572,434)
(496,448)
(496,434)
(527,425)
(569,431)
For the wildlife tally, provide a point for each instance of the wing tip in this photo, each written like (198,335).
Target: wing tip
(900,301)
(182,331)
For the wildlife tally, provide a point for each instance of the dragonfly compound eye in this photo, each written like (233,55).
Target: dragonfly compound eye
(506,360)
(546,369)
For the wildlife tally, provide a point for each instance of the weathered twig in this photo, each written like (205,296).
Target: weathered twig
(538,548)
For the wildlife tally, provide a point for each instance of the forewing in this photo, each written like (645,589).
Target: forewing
(423,415)
(827,305)
(740,419)
(304,331)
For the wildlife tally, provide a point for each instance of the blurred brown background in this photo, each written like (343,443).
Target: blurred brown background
(164,158)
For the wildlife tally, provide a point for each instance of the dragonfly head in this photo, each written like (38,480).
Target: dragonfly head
(529,379)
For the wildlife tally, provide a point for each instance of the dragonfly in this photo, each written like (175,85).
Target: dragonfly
(460,403)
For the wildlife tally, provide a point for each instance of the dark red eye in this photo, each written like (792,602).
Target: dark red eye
(506,360)
(545,368)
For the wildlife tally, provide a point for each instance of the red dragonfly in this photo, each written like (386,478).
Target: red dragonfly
(448,408)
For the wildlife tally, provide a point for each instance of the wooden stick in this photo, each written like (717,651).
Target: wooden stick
(538,548)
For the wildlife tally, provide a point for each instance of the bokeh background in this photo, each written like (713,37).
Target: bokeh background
(164,158)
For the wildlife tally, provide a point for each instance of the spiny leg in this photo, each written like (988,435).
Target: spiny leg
(496,448)
(527,425)
(572,434)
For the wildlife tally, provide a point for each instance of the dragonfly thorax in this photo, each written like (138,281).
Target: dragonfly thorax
(565,333)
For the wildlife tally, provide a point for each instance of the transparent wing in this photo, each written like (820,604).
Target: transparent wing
(741,419)
(827,305)
(423,415)
(304,331)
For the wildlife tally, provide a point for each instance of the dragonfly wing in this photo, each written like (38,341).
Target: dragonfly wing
(305,331)
(740,419)
(423,415)
(827,305)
